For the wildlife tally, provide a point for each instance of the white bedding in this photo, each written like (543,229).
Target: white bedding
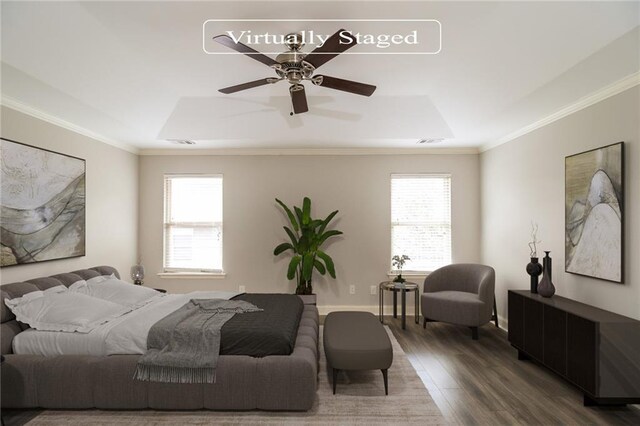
(124,335)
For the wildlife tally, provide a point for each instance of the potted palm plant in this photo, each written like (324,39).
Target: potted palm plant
(306,235)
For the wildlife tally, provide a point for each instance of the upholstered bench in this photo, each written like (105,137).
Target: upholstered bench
(356,341)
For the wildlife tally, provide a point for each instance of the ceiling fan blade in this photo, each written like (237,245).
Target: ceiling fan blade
(298,99)
(344,85)
(330,49)
(225,40)
(245,86)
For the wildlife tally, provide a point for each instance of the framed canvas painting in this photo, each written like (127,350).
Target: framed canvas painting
(42,203)
(594,213)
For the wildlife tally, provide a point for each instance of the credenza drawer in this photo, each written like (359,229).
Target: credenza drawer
(555,339)
(581,352)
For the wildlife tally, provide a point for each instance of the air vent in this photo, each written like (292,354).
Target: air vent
(431,140)
(182,141)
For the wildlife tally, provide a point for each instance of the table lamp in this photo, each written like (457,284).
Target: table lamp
(137,273)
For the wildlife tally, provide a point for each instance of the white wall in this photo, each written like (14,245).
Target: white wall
(112,197)
(358,186)
(523,180)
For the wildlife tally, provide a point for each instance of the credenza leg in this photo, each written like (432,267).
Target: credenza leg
(522,356)
(588,401)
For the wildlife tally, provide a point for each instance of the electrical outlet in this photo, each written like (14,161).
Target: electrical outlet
(352,289)
(242,289)
(374,290)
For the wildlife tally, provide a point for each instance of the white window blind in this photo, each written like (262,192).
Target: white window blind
(421,220)
(193,223)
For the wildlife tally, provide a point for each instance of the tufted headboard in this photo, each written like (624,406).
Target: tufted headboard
(9,327)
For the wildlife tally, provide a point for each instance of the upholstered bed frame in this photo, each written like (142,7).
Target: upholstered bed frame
(77,382)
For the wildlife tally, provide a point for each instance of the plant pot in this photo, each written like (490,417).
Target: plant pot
(308,299)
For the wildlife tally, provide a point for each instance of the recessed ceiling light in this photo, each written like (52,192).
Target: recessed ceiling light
(431,140)
(182,141)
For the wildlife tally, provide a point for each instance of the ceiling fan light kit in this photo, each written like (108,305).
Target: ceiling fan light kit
(295,66)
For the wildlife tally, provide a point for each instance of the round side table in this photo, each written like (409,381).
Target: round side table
(401,288)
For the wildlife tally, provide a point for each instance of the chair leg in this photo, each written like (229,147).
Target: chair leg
(335,379)
(494,317)
(474,333)
(386,381)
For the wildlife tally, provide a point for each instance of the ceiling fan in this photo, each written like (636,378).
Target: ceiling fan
(295,66)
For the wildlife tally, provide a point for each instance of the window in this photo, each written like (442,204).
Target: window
(193,223)
(421,220)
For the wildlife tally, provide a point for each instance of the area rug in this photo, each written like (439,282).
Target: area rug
(360,399)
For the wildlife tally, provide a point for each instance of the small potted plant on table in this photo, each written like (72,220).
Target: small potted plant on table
(398,262)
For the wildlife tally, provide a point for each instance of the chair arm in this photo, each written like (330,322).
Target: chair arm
(486,287)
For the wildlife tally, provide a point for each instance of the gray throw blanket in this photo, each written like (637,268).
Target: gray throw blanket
(184,346)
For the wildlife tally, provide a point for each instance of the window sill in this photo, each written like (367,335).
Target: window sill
(192,275)
(413,274)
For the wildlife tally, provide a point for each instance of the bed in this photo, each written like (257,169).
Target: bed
(99,374)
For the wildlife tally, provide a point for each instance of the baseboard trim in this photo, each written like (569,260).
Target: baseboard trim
(504,323)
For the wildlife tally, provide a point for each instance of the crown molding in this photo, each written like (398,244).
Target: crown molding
(312,151)
(41,115)
(585,102)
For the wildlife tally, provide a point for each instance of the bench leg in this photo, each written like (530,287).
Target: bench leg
(386,381)
(335,379)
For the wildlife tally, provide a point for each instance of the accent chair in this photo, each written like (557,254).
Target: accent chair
(462,294)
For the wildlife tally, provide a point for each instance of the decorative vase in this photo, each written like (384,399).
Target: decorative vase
(546,287)
(534,268)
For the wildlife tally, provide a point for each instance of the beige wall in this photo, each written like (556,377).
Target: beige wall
(523,180)
(112,197)
(358,186)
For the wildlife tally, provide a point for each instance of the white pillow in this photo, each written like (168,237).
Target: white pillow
(116,291)
(64,311)
(34,295)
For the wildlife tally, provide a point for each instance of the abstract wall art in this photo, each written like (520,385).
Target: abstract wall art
(594,213)
(42,203)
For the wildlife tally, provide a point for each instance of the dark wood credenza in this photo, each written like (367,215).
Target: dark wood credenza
(596,350)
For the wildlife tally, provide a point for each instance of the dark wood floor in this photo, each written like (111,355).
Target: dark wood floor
(482,382)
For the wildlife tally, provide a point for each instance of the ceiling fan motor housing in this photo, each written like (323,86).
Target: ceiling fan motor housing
(292,67)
